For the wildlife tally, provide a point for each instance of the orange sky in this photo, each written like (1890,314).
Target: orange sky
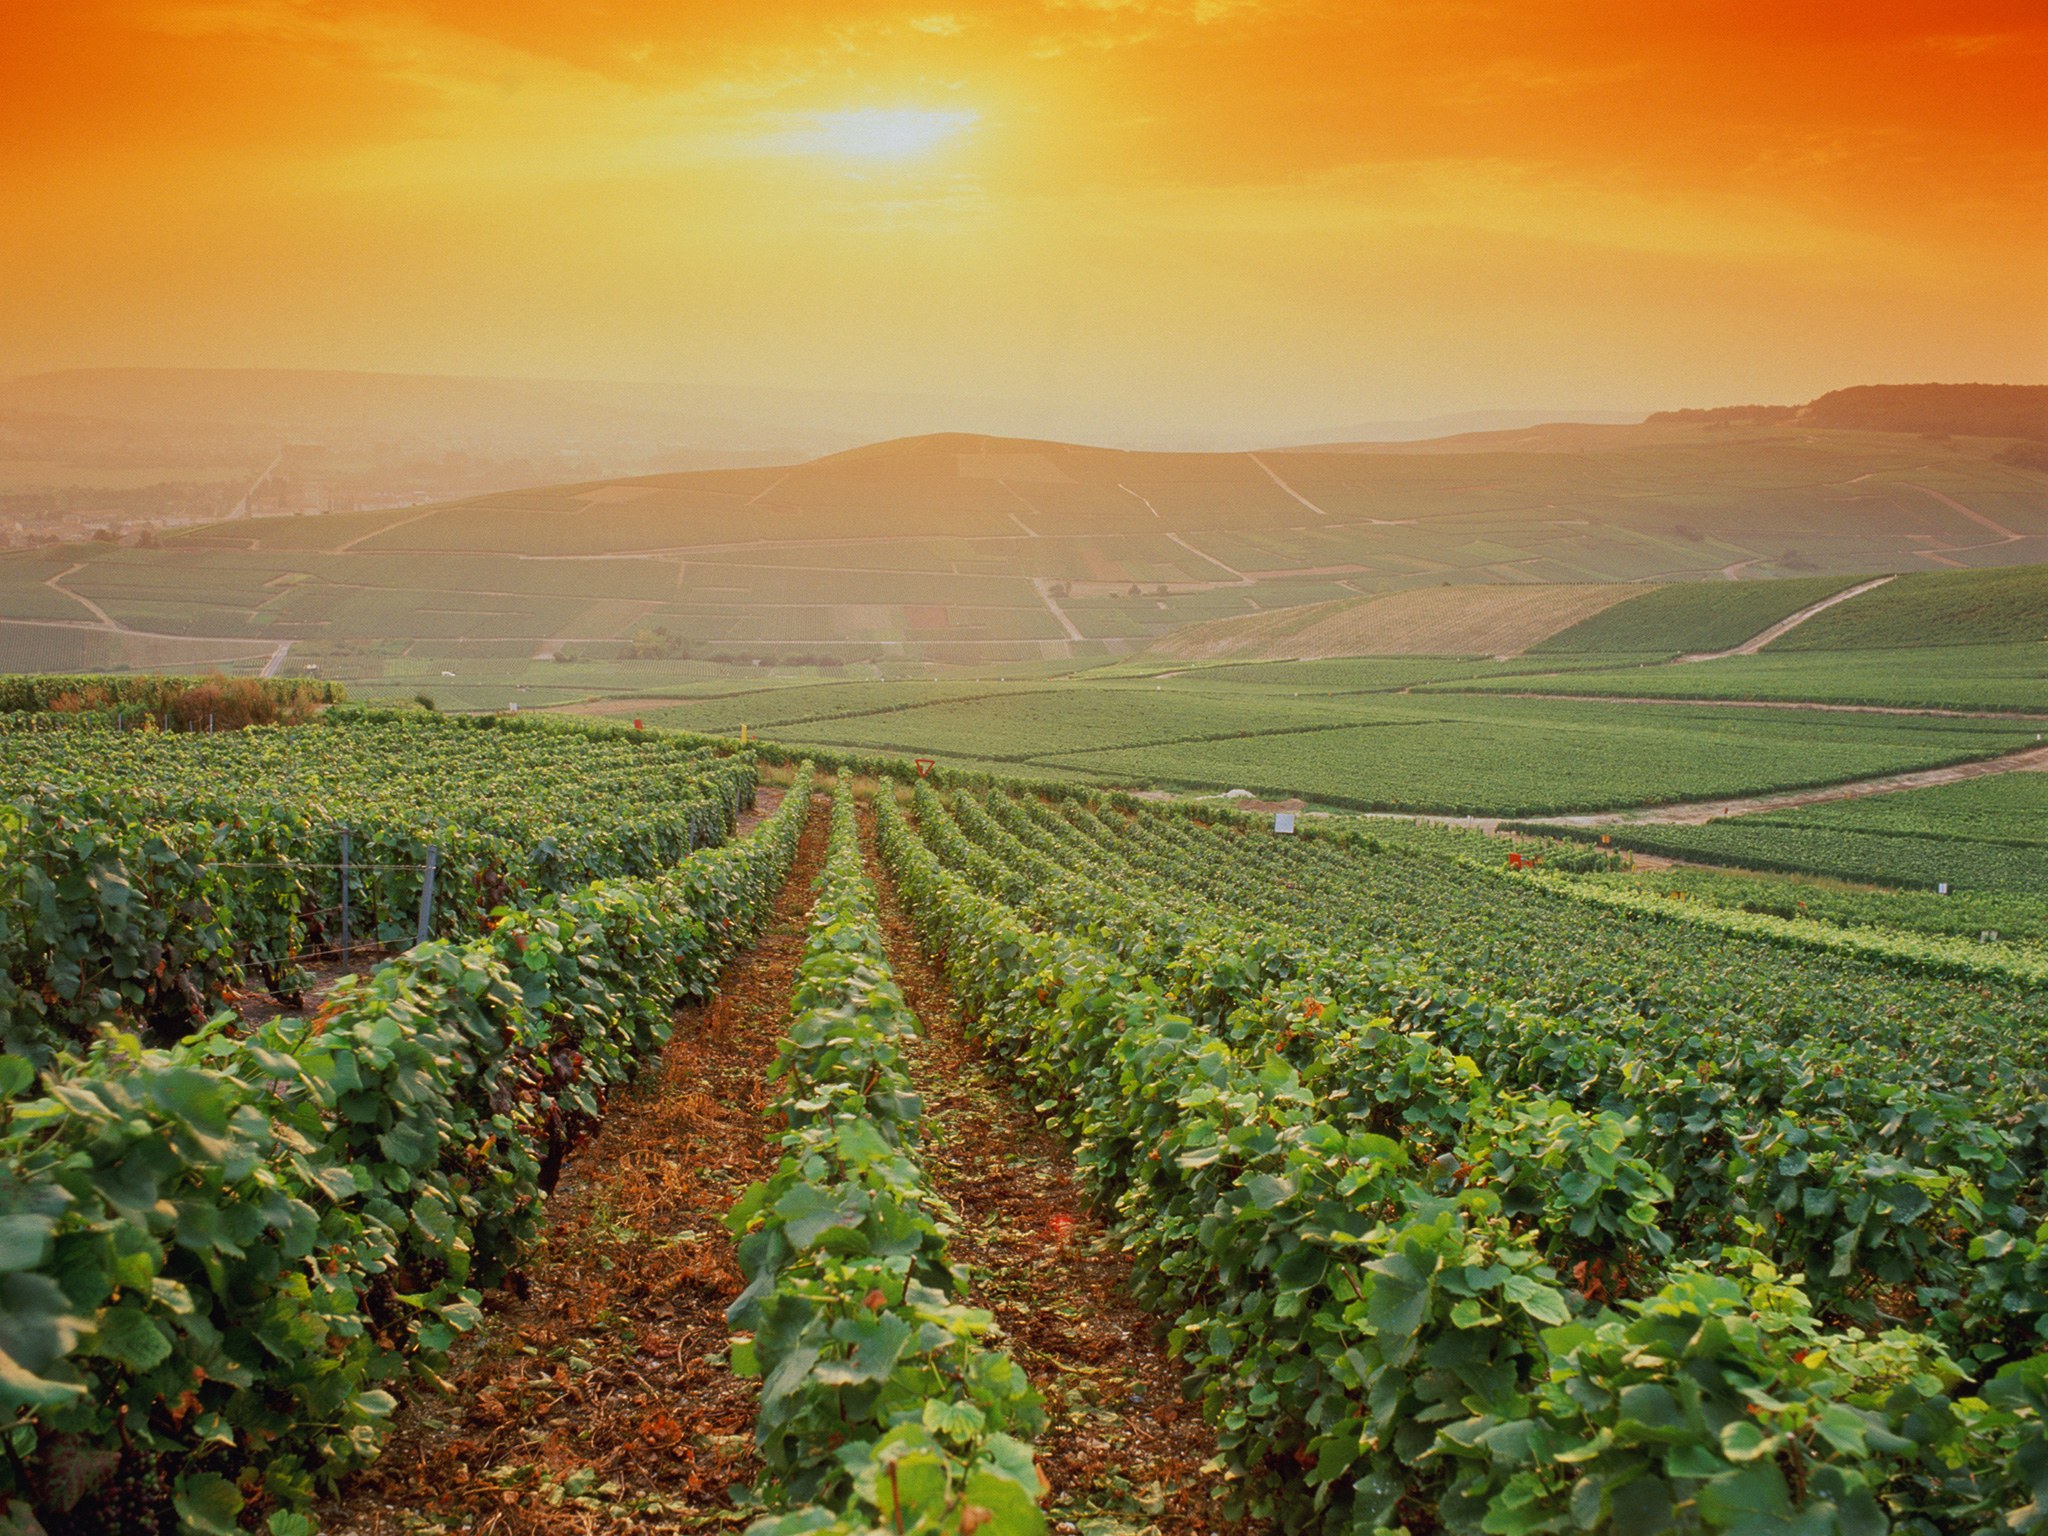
(1113,218)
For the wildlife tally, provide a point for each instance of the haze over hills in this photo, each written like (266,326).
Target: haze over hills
(478,414)
(968,549)
(129,449)
(1427,428)
(2018,412)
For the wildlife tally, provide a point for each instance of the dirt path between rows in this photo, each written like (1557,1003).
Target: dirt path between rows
(1123,1450)
(601,1399)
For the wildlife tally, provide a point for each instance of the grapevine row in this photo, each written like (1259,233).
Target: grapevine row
(145,875)
(883,1405)
(219,1258)
(1871,1187)
(1383,1338)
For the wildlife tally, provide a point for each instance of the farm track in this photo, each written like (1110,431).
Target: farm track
(611,1368)
(1697,812)
(1121,1442)
(1786,625)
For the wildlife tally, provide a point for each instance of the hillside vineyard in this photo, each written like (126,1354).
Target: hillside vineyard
(1465,1198)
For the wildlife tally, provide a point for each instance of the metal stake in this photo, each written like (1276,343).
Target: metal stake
(427,892)
(344,894)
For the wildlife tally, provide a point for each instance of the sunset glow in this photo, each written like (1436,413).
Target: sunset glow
(871,133)
(1371,209)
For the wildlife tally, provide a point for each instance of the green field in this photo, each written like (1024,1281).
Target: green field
(1933,609)
(1359,750)
(1988,835)
(2011,677)
(1694,616)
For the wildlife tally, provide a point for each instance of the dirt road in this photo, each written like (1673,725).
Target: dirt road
(1692,814)
(1787,624)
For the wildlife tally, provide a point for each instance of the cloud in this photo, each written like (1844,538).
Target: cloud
(1977,45)
(1100,25)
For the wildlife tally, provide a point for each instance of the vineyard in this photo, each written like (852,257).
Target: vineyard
(1459,1198)
(150,873)
(1988,835)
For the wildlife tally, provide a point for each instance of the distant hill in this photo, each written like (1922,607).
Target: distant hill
(1954,410)
(1424,429)
(957,547)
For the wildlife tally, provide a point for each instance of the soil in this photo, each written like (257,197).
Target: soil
(767,797)
(257,1006)
(1123,1448)
(596,1397)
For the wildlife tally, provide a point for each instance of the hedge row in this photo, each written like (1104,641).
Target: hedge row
(215,1259)
(152,694)
(882,1405)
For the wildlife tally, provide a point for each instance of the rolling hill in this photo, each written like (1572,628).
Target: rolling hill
(974,551)
(1970,410)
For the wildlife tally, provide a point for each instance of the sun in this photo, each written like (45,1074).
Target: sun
(874,133)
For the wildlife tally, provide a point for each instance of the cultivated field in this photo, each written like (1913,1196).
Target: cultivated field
(1988,835)
(1426,621)
(909,1153)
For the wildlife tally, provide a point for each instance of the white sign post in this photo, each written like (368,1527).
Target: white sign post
(1283,821)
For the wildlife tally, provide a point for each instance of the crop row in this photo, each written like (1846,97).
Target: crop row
(1966,915)
(1883,857)
(1901,1203)
(1371,1244)
(1959,1015)
(1886,935)
(882,1404)
(223,862)
(218,1259)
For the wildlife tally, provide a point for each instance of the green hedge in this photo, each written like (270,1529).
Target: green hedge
(149,693)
